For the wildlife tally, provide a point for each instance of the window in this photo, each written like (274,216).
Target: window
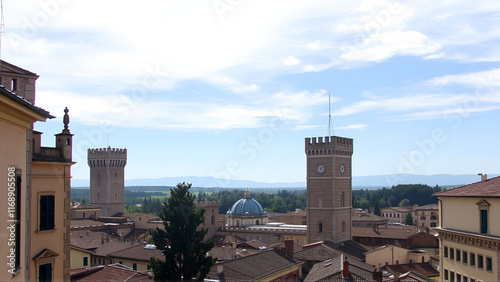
(422,217)
(446,274)
(472,259)
(45,272)
(433,224)
(13,84)
(445,252)
(465,256)
(452,253)
(483,216)
(85,261)
(472,280)
(452,276)
(465,279)
(343,225)
(489,264)
(134,266)
(47,212)
(320,227)
(458,256)
(148,267)
(484,221)
(459,278)
(480,262)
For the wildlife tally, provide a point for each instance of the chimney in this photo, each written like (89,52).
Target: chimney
(289,248)
(483,176)
(220,268)
(377,274)
(345,267)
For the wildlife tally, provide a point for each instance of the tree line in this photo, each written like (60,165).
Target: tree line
(400,195)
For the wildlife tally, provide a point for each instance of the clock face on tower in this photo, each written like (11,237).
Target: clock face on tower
(321,169)
(342,169)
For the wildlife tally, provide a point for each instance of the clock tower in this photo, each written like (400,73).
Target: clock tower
(329,188)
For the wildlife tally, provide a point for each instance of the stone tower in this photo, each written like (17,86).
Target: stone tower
(107,179)
(329,188)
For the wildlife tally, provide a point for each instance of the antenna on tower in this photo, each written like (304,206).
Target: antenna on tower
(330,125)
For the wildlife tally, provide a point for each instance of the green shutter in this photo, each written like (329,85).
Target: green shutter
(484,221)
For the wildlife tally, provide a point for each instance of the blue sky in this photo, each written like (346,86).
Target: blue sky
(230,89)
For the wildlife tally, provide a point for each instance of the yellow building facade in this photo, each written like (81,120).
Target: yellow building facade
(35,217)
(469,232)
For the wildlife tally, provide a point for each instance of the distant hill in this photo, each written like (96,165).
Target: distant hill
(358,182)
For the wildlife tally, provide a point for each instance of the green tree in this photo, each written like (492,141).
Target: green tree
(409,219)
(376,209)
(404,203)
(180,241)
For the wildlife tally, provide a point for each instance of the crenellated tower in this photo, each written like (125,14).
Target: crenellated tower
(329,188)
(107,179)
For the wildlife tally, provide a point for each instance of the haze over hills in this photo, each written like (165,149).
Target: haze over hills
(358,182)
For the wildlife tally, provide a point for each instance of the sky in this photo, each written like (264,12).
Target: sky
(231,88)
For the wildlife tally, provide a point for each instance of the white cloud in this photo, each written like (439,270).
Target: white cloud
(140,112)
(291,61)
(381,46)
(353,126)
(423,106)
(483,79)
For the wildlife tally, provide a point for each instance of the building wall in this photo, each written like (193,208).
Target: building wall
(460,230)
(329,193)
(426,218)
(52,178)
(211,215)
(107,179)
(13,152)
(389,255)
(77,258)
(465,269)
(140,265)
(462,213)
(76,214)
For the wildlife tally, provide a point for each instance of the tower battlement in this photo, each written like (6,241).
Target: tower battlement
(329,145)
(107,157)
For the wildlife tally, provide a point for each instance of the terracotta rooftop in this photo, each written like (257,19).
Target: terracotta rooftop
(364,216)
(253,244)
(398,209)
(112,272)
(332,268)
(20,100)
(142,252)
(252,267)
(385,231)
(427,207)
(323,250)
(487,188)
(87,239)
(424,269)
(82,206)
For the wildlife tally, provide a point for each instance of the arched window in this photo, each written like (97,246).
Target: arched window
(257,222)
(213,219)
(67,142)
(237,223)
(320,227)
(343,225)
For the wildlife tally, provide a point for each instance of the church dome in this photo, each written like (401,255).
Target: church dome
(247,207)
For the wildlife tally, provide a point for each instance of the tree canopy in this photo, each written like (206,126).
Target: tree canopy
(181,241)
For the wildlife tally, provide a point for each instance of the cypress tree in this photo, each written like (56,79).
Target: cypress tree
(180,241)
